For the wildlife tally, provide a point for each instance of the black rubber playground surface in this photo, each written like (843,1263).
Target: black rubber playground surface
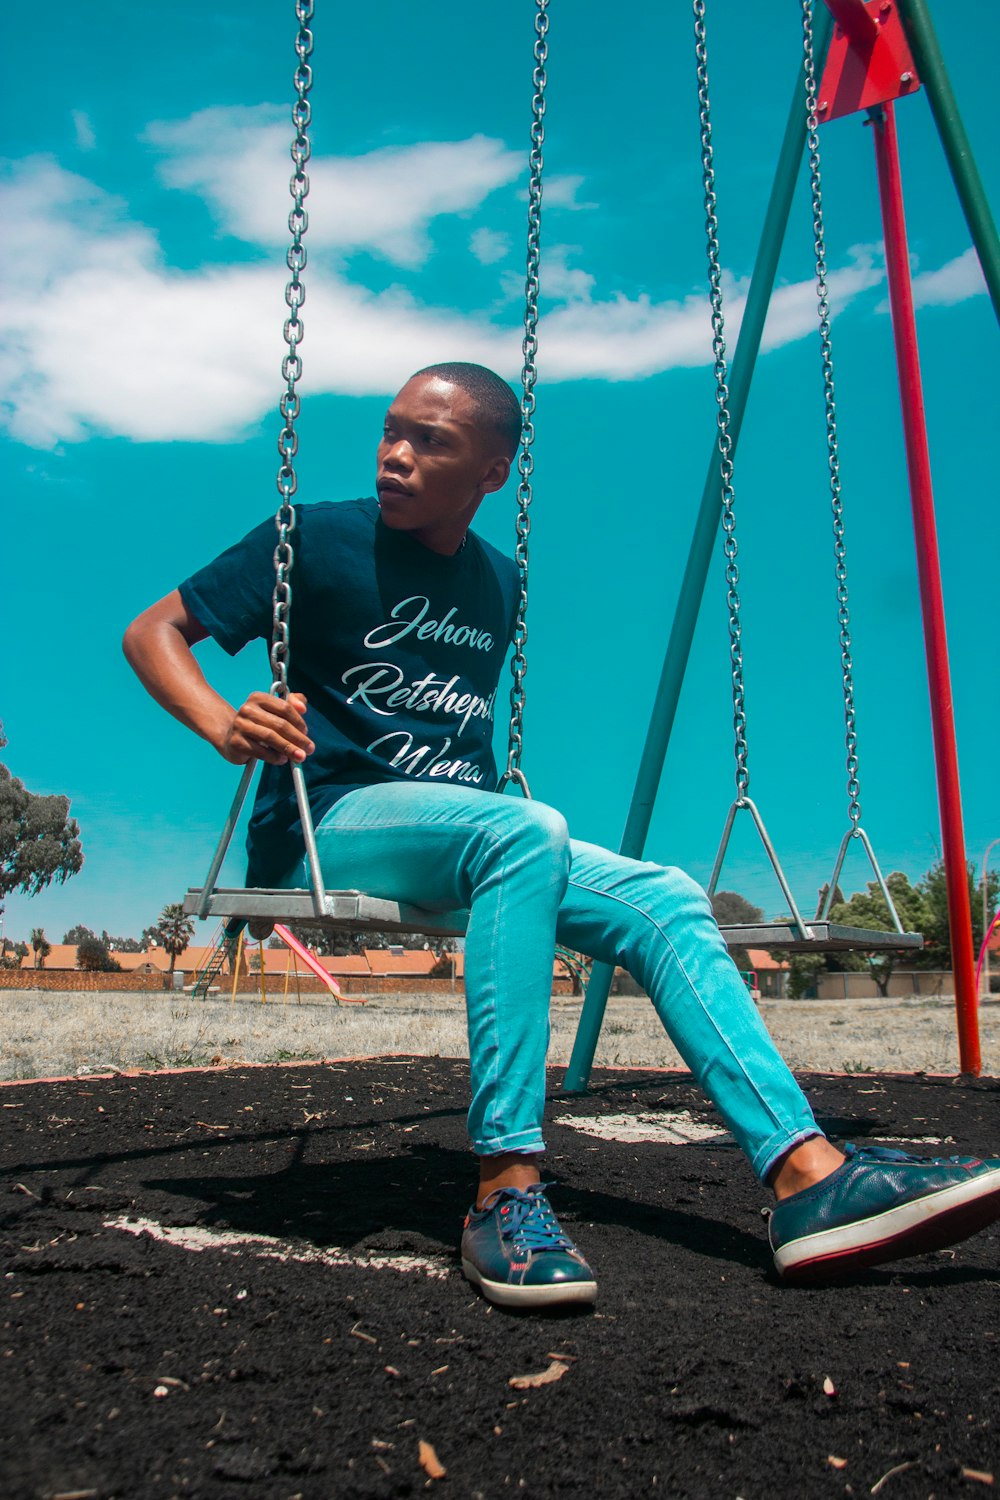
(245,1283)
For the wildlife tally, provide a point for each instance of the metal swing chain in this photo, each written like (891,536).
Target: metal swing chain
(855,830)
(832,447)
(291,365)
(722,400)
(529,375)
(284,555)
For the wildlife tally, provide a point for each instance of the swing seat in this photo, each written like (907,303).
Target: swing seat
(824,937)
(354,910)
(341,910)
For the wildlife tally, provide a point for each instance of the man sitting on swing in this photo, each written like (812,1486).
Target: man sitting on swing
(402,621)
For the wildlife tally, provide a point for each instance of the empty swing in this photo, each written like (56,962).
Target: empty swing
(820,934)
(258,906)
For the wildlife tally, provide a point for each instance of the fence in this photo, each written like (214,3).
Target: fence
(903,983)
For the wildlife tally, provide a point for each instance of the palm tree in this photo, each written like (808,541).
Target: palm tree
(174,930)
(41,946)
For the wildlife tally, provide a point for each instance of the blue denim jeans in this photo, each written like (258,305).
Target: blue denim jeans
(527,885)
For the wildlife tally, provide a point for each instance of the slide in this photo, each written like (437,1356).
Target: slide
(313,964)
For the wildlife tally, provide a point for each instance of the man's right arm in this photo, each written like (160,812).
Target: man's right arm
(158,645)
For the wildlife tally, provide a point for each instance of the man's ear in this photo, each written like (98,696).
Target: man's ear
(496,475)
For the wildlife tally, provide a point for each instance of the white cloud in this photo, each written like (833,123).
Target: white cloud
(114,341)
(953,282)
(626,339)
(489,246)
(562,282)
(560,192)
(559,281)
(57,221)
(238,160)
(793,314)
(86,140)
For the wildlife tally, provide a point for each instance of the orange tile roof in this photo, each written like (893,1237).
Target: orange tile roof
(759,959)
(346,963)
(63,956)
(411,961)
(559,970)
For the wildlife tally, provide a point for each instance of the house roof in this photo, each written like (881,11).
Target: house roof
(345,964)
(761,960)
(63,956)
(416,961)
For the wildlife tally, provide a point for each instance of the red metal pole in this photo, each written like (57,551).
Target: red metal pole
(931,597)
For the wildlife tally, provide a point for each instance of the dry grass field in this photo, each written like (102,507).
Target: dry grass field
(48,1034)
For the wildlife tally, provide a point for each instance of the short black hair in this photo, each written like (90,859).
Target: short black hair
(496,402)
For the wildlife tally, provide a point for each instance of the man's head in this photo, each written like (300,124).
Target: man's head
(448,440)
(498,409)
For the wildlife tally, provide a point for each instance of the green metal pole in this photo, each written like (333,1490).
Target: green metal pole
(702,544)
(968,184)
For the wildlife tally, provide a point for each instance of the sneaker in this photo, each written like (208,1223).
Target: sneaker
(881,1205)
(515,1252)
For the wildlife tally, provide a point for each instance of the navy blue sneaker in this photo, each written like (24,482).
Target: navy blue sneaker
(881,1205)
(515,1252)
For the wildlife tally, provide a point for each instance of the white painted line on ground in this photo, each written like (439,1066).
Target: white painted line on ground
(916,1140)
(264,1247)
(677,1129)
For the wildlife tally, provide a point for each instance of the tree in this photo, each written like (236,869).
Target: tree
(93,957)
(340,943)
(40,946)
(11,954)
(123,944)
(174,931)
(39,841)
(868,908)
(936,953)
(730,909)
(78,934)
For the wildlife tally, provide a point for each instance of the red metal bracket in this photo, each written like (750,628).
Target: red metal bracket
(869,61)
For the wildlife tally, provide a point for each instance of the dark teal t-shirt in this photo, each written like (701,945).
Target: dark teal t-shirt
(397,649)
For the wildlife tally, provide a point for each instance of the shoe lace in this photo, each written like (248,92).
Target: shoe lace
(885,1153)
(526,1218)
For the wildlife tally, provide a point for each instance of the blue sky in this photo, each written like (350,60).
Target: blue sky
(146,194)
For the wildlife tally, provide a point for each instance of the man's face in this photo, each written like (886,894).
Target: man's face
(436,462)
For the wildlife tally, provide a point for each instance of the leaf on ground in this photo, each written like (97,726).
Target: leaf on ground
(429,1461)
(835,1462)
(829,1389)
(555,1371)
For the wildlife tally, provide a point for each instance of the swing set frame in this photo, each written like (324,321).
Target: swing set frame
(880,50)
(865,69)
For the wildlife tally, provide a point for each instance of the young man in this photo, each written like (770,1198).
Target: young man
(400,626)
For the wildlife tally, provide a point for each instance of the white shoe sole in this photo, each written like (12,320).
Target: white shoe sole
(929,1223)
(504,1295)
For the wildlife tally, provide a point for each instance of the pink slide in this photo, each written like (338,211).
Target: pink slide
(301,951)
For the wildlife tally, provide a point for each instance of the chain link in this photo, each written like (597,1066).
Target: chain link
(832,446)
(529,375)
(291,365)
(722,399)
